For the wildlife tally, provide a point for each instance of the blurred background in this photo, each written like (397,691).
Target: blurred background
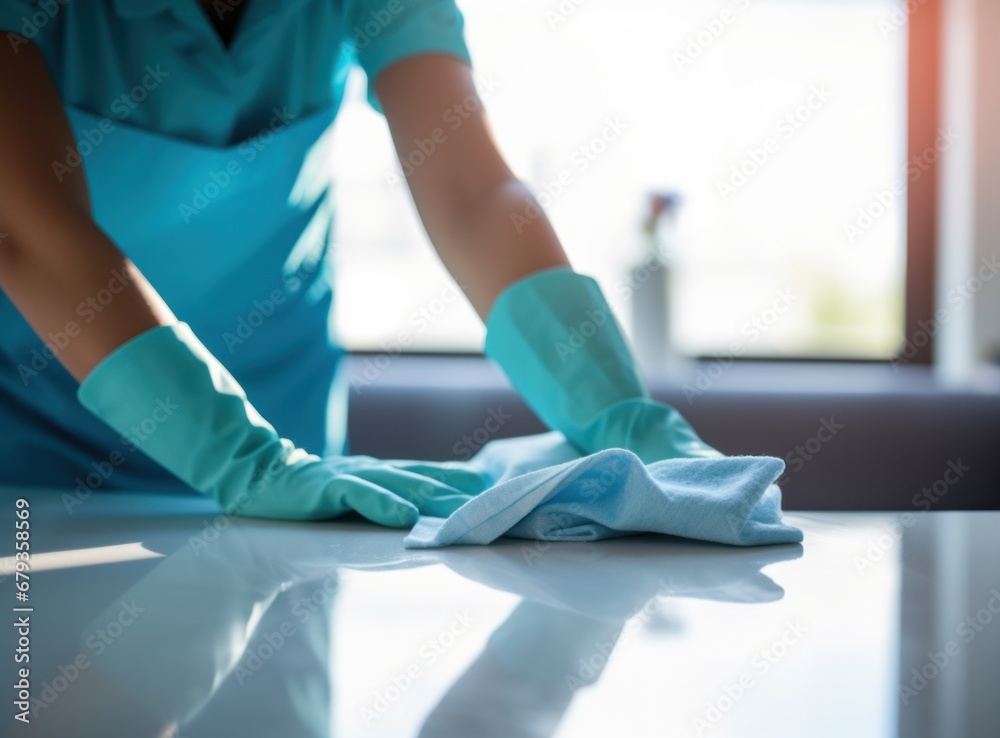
(790,204)
(766,125)
(775,129)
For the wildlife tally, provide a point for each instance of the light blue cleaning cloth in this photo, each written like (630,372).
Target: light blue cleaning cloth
(543,490)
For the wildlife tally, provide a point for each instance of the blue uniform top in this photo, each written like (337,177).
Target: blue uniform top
(206,165)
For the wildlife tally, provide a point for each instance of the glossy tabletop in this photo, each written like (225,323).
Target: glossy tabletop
(155,615)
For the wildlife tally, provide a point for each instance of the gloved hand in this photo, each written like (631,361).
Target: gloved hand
(169,396)
(555,336)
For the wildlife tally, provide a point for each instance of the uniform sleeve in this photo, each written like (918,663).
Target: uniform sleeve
(38,21)
(383,32)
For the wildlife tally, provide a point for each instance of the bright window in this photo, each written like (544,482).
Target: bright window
(777,126)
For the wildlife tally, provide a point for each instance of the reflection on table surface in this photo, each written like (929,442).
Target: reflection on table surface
(153,616)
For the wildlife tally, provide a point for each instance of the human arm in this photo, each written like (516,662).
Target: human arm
(138,365)
(55,258)
(464,191)
(550,329)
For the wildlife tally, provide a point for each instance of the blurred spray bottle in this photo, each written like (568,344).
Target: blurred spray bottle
(652,278)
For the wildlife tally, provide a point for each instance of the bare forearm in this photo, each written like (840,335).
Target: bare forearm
(499,239)
(471,204)
(84,299)
(69,281)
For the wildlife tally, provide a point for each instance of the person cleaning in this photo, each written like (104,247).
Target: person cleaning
(161,174)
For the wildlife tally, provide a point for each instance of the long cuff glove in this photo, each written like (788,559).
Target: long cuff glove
(169,396)
(555,336)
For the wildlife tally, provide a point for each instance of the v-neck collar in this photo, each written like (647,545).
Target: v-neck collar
(190,12)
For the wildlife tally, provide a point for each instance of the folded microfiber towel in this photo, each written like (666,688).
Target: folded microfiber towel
(543,490)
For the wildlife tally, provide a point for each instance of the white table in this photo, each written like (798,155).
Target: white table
(269,629)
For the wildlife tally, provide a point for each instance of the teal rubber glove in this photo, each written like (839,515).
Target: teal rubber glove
(166,394)
(556,338)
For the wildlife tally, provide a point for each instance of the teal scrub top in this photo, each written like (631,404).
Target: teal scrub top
(206,165)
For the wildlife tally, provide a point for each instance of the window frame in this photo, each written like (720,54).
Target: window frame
(924,48)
